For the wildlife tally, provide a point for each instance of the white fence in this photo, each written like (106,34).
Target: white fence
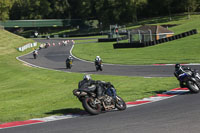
(29,45)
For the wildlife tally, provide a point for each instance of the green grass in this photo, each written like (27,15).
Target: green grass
(185,50)
(27,92)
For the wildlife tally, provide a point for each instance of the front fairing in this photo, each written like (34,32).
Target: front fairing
(87,89)
(182,77)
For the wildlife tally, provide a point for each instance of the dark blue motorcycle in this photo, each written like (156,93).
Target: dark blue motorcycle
(190,79)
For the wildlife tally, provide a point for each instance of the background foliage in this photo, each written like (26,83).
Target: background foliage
(106,11)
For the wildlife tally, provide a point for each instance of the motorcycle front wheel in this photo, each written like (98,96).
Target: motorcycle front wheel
(193,87)
(120,104)
(90,106)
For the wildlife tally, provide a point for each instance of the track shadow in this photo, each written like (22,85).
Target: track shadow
(156,92)
(67,111)
(64,68)
(159,91)
(186,92)
(88,71)
(30,58)
(172,92)
(178,93)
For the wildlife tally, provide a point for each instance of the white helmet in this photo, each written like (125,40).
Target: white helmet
(86,77)
(97,57)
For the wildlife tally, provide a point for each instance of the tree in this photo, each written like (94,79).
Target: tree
(59,9)
(136,5)
(30,9)
(4,9)
(198,7)
(117,11)
(190,6)
(105,11)
(168,5)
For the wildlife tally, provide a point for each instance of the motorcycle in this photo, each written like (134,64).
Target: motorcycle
(46,45)
(190,79)
(94,105)
(35,54)
(69,64)
(98,65)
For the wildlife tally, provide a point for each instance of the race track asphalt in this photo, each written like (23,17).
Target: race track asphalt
(54,58)
(180,114)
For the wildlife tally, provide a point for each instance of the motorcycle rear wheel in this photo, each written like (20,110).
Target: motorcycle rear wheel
(193,87)
(101,69)
(35,56)
(120,104)
(68,66)
(90,106)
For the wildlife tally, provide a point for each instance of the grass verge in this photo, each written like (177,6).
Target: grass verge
(27,92)
(185,50)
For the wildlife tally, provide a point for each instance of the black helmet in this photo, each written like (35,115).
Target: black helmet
(177,66)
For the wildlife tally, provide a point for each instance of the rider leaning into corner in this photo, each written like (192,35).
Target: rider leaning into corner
(88,83)
(180,70)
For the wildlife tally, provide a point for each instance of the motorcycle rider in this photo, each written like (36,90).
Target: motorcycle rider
(180,70)
(88,83)
(98,59)
(35,53)
(98,62)
(69,59)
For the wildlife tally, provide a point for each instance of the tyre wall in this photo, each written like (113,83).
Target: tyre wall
(151,43)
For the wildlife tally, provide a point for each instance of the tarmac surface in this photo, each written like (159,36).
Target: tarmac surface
(54,57)
(180,114)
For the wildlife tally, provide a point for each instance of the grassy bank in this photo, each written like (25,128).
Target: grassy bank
(185,50)
(27,92)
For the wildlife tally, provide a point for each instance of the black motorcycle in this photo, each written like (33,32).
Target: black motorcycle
(68,64)
(98,65)
(189,79)
(94,105)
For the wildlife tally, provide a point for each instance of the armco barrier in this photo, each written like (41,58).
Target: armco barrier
(170,38)
(166,39)
(173,38)
(184,34)
(29,45)
(150,43)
